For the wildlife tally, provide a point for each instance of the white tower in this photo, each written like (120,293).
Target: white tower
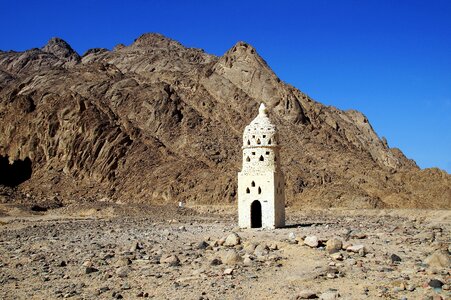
(261,194)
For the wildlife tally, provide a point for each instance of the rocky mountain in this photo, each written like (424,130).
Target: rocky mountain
(158,122)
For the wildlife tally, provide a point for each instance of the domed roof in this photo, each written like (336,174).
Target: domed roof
(260,132)
(261,122)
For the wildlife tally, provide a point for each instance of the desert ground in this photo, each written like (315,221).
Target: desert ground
(113,251)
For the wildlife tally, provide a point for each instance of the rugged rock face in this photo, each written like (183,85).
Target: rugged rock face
(158,122)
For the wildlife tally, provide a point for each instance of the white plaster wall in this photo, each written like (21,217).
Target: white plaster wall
(266,182)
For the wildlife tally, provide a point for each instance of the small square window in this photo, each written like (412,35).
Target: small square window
(267,152)
(264,135)
(253,153)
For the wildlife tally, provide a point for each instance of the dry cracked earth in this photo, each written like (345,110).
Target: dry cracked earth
(118,252)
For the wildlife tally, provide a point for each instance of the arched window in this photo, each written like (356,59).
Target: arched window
(253,183)
(248,142)
(248,159)
(269,142)
(248,191)
(258,142)
(261,158)
(259,190)
(267,152)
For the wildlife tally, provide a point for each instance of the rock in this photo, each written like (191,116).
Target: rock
(357,235)
(438,259)
(202,245)
(333,245)
(122,261)
(355,248)
(336,256)
(232,240)
(311,241)
(395,259)
(273,246)
(292,236)
(215,262)
(261,250)
(247,261)
(122,271)
(435,283)
(170,259)
(306,294)
(88,263)
(89,270)
(329,295)
(228,271)
(249,247)
(136,246)
(231,257)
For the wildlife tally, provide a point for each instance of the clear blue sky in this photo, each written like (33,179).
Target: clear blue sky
(389,59)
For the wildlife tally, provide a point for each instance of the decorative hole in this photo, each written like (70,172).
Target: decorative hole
(248,159)
(253,183)
(264,135)
(267,152)
(253,153)
(259,190)
(269,142)
(248,142)
(248,191)
(261,158)
(258,142)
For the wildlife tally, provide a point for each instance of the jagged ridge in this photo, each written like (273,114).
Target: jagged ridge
(155,121)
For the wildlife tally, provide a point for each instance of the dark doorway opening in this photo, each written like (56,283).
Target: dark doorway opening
(16,173)
(256,214)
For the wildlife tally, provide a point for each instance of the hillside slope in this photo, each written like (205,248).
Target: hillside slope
(158,122)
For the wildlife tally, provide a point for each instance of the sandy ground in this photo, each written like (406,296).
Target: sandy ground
(105,251)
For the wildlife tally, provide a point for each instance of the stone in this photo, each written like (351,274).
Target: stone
(333,245)
(336,256)
(292,236)
(329,295)
(247,261)
(311,241)
(122,271)
(89,270)
(232,240)
(215,262)
(438,259)
(202,245)
(261,250)
(231,257)
(306,294)
(355,248)
(395,259)
(249,247)
(228,271)
(435,283)
(170,259)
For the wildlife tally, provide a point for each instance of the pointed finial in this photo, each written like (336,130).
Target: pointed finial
(262,110)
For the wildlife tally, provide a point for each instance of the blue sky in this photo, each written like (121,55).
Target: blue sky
(390,60)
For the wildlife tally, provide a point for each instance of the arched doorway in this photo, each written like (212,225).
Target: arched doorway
(256,214)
